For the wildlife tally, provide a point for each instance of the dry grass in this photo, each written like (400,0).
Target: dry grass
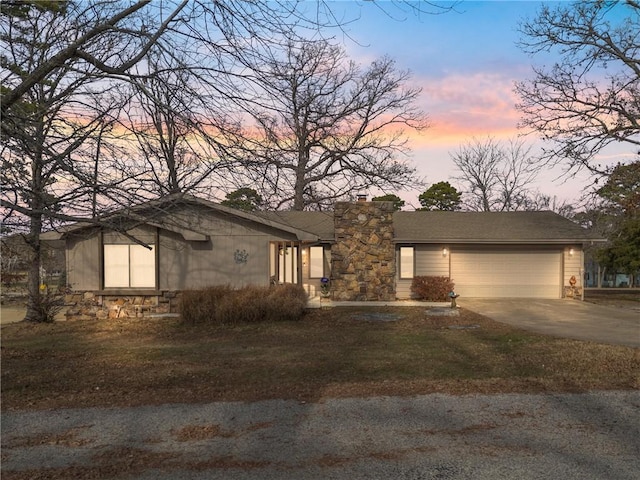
(330,353)
(619,297)
(223,305)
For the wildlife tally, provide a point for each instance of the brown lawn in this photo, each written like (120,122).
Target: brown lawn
(329,353)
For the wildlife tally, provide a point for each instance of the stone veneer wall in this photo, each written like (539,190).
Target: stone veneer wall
(363,258)
(87,305)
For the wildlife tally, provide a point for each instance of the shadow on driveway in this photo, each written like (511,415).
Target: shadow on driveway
(563,318)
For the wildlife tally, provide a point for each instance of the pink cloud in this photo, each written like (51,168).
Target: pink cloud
(463,106)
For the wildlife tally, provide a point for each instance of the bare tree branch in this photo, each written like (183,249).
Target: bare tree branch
(591,98)
(75,50)
(324,128)
(496,177)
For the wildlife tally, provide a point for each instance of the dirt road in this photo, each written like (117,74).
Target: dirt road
(568,436)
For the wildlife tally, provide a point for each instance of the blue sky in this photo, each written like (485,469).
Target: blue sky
(466,62)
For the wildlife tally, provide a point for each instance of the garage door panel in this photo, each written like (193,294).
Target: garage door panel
(515,273)
(514,291)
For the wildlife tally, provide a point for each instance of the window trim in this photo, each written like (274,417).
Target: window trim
(402,266)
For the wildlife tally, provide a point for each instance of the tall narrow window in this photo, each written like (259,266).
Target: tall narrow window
(406,262)
(129,266)
(316,262)
(288,264)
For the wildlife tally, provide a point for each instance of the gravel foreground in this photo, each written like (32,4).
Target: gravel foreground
(568,436)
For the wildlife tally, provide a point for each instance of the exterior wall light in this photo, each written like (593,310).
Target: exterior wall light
(571,252)
(445,252)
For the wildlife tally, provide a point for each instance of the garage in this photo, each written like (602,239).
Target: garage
(505,271)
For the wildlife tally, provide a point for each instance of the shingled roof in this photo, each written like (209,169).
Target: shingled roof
(455,227)
(409,227)
(486,227)
(319,223)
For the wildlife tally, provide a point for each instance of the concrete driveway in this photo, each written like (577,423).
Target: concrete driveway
(563,318)
(13,314)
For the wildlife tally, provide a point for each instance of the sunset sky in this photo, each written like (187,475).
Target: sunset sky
(466,62)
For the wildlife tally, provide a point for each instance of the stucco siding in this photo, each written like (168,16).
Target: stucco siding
(83,262)
(223,260)
(198,244)
(145,235)
(236,254)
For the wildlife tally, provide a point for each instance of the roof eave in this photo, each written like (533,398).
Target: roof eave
(187,233)
(485,241)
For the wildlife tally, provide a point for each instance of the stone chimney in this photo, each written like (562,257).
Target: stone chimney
(363,257)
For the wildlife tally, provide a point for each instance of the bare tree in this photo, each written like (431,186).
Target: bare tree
(49,137)
(323,127)
(182,136)
(64,67)
(497,177)
(541,201)
(591,97)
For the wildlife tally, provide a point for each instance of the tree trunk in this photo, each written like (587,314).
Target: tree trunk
(35,312)
(298,199)
(298,189)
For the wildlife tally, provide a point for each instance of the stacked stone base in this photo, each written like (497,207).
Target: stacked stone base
(88,305)
(573,292)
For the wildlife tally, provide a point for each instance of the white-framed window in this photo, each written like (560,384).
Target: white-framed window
(316,262)
(406,262)
(129,266)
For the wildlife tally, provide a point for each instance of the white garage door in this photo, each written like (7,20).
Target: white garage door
(506,272)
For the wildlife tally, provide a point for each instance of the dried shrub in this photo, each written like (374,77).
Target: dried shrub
(225,305)
(200,306)
(241,306)
(285,302)
(432,289)
(48,305)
